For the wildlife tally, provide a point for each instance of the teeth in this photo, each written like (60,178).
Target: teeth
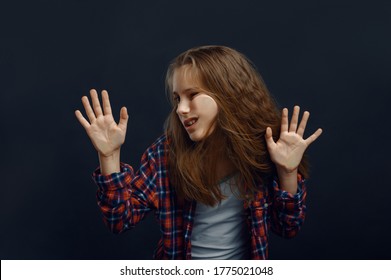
(191,122)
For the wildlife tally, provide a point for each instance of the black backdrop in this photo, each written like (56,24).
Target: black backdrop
(331,57)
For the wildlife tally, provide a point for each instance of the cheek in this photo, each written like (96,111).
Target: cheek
(208,105)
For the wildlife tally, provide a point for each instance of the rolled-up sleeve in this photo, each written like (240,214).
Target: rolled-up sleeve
(125,197)
(288,211)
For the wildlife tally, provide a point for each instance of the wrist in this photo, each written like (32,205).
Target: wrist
(288,180)
(110,163)
(285,171)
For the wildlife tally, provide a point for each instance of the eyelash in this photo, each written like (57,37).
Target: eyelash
(177,99)
(193,94)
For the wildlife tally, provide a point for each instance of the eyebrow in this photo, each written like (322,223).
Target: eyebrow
(188,90)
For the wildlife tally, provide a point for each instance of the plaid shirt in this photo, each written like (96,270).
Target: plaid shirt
(125,197)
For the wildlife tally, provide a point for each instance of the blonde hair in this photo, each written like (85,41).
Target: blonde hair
(245,110)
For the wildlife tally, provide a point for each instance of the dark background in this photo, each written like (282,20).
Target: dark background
(331,57)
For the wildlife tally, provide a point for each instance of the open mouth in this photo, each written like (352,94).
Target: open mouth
(189,122)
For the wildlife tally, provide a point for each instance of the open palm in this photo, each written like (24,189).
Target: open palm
(288,151)
(106,135)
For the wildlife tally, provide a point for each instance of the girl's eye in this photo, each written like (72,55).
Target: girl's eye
(192,95)
(176,98)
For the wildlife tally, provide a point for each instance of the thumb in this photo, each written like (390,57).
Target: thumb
(269,137)
(123,119)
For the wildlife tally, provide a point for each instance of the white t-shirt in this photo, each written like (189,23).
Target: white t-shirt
(220,232)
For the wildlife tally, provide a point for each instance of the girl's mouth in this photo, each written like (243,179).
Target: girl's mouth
(189,122)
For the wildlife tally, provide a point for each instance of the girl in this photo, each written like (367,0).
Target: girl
(217,180)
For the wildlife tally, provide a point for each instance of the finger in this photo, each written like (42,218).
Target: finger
(303,123)
(269,138)
(284,120)
(106,103)
(295,119)
(87,107)
(123,119)
(96,103)
(81,119)
(314,136)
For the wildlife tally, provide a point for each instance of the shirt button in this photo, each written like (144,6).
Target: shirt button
(266,205)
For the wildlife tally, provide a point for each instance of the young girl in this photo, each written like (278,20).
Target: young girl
(228,168)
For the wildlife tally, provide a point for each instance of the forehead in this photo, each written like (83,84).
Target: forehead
(185,77)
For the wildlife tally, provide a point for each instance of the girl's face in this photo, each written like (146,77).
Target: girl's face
(196,110)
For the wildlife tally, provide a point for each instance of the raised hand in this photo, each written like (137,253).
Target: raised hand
(288,151)
(106,135)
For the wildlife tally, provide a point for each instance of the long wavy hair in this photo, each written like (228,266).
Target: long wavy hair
(245,110)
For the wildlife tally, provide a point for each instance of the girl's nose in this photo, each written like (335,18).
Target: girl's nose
(183,107)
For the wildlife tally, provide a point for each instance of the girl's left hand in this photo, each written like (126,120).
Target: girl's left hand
(288,151)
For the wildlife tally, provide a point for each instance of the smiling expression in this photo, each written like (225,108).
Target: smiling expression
(196,109)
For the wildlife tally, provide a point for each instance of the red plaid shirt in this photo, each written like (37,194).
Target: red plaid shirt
(124,198)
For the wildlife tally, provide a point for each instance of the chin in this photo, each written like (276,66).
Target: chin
(195,138)
(198,137)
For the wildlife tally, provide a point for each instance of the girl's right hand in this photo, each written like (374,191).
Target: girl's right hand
(106,135)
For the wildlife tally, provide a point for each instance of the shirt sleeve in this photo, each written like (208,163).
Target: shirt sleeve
(124,198)
(288,210)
